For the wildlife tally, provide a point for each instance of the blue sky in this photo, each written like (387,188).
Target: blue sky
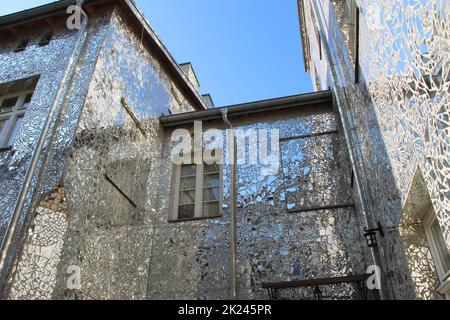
(242,50)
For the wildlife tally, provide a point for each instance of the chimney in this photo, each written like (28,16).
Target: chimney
(208,101)
(188,70)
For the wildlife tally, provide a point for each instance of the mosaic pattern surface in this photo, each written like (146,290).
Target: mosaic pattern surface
(103,120)
(273,244)
(398,110)
(35,275)
(110,235)
(47,63)
(117,178)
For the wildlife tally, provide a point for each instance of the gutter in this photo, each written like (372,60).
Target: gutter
(310,100)
(341,102)
(233,201)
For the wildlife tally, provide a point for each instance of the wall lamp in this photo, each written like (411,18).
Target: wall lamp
(318,293)
(371,235)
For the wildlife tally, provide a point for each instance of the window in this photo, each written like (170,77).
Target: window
(22,45)
(197,192)
(12,112)
(45,40)
(439,250)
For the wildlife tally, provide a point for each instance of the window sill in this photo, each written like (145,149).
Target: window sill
(194,219)
(444,288)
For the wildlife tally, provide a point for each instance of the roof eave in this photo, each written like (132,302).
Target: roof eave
(306,101)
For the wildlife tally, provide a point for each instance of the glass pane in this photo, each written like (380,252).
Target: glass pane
(211,168)
(15,131)
(211,180)
(211,209)
(443,252)
(212,194)
(27,101)
(187,197)
(187,183)
(8,104)
(187,170)
(186,211)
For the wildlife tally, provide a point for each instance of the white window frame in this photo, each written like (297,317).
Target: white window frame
(199,179)
(11,116)
(444,275)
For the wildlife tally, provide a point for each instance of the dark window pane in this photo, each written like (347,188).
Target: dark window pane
(45,40)
(211,209)
(187,183)
(187,170)
(27,101)
(211,194)
(211,168)
(187,197)
(15,131)
(22,45)
(8,104)
(211,180)
(186,211)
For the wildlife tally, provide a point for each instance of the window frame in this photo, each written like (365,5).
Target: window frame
(11,116)
(199,188)
(443,275)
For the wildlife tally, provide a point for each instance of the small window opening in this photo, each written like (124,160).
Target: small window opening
(45,40)
(22,45)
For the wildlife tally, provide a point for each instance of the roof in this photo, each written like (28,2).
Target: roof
(137,19)
(310,101)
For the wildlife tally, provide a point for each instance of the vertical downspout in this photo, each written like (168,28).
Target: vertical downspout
(37,154)
(352,154)
(233,198)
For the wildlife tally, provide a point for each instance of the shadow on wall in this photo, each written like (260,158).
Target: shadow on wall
(372,158)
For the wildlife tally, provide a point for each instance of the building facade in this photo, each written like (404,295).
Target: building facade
(95,205)
(388,65)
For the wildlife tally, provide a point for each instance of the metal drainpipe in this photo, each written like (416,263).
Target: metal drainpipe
(364,206)
(37,153)
(365,210)
(233,218)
